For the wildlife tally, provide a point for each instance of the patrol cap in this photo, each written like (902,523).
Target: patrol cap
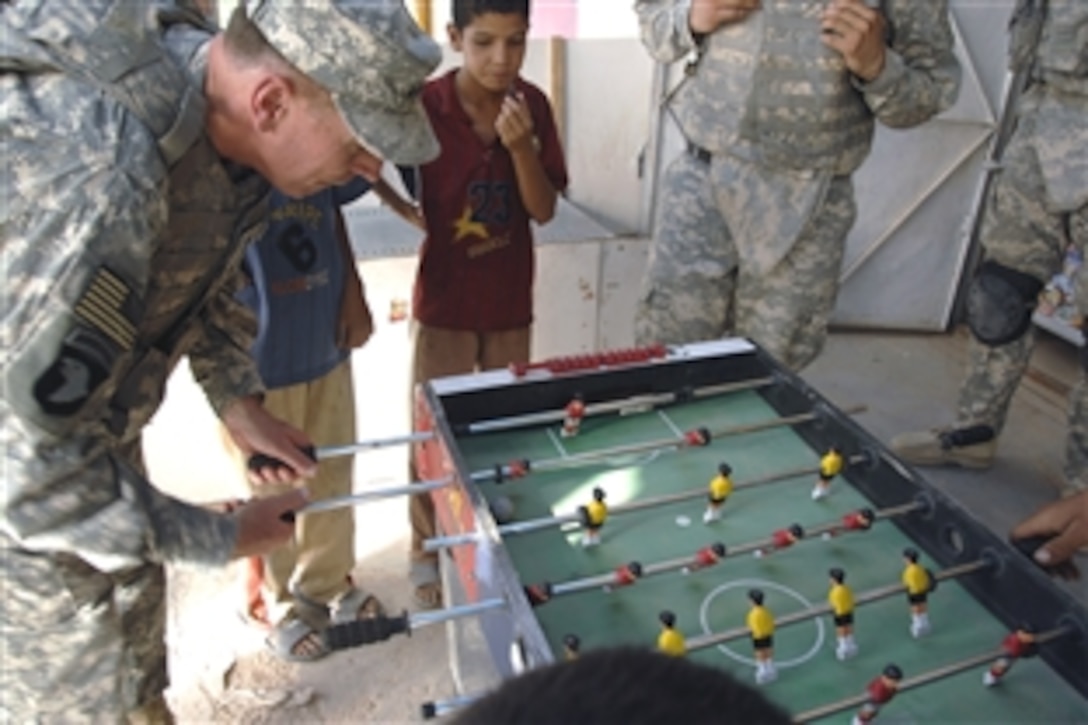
(371,56)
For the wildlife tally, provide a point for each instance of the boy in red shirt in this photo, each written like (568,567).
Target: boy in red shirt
(501,166)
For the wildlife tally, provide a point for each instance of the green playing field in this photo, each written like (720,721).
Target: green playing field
(715,599)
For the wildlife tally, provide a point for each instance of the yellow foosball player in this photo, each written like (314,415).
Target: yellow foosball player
(919,584)
(761,626)
(721,486)
(671,640)
(831,465)
(841,599)
(593,516)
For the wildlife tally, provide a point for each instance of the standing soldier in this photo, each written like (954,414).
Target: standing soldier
(137,147)
(778,107)
(1037,210)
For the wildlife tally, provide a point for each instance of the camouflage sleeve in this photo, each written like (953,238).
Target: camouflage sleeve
(921,75)
(220,358)
(665,29)
(99,508)
(76,202)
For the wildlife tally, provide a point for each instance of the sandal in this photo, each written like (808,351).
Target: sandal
(428,586)
(354,604)
(295,640)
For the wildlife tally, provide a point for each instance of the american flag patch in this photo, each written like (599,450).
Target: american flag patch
(101,307)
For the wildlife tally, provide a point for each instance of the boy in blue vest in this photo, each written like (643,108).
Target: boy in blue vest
(312,312)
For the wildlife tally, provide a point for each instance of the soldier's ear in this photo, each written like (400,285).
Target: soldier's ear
(269,102)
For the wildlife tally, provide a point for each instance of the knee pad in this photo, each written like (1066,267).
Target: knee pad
(1000,302)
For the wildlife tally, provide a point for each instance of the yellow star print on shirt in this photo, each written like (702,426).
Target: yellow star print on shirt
(464,226)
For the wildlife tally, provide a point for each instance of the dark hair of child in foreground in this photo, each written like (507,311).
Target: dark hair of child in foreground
(629,685)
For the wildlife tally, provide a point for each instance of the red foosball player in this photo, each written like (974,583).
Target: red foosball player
(881,690)
(697,437)
(919,584)
(671,641)
(761,626)
(830,466)
(720,488)
(575,411)
(860,520)
(593,516)
(624,576)
(841,599)
(1020,643)
(706,556)
(782,539)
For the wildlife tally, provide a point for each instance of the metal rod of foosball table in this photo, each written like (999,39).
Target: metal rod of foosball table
(872,595)
(649,400)
(590,457)
(417,620)
(320,453)
(910,683)
(613,579)
(355,499)
(525,527)
(833,527)
(733,551)
(350,449)
(440,708)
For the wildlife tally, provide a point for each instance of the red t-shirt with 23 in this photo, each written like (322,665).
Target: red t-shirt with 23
(476,266)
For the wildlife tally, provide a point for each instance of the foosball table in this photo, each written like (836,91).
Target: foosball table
(656,496)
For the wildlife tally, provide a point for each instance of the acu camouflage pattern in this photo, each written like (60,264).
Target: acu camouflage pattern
(107,246)
(1039,206)
(749,239)
(767,275)
(378,94)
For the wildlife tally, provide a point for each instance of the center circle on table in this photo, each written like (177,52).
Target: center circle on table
(704,610)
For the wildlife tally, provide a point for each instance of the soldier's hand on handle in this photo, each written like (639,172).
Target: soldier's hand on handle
(706,16)
(268,522)
(857,32)
(255,430)
(1064,525)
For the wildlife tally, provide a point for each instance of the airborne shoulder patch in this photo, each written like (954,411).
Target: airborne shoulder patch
(69,381)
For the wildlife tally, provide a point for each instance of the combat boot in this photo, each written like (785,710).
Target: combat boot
(971,447)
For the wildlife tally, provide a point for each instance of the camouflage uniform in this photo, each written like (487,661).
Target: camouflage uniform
(752,220)
(122,230)
(1038,207)
(105,248)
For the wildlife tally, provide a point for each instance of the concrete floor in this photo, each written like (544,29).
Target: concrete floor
(219,668)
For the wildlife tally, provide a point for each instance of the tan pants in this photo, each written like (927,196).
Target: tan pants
(320,559)
(436,353)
